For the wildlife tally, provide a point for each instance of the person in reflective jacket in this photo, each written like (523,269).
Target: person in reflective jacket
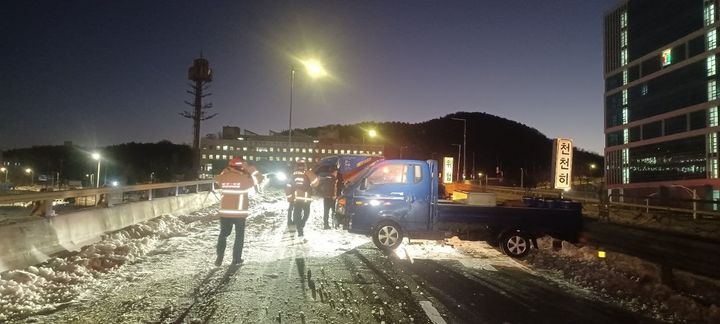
(301,185)
(236,181)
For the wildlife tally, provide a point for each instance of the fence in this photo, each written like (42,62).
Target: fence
(49,202)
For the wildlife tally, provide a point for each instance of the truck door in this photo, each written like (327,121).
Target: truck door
(386,194)
(419,195)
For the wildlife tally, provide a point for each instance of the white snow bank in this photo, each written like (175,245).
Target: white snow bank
(60,280)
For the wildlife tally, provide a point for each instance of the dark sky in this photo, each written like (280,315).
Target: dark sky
(107,72)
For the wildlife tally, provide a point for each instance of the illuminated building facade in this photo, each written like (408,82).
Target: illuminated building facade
(661,96)
(269,151)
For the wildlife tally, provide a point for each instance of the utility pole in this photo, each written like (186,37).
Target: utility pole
(464,145)
(457,177)
(201,74)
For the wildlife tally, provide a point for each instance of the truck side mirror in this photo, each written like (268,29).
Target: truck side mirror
(363,184)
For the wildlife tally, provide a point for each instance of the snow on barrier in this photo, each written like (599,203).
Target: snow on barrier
(28,243)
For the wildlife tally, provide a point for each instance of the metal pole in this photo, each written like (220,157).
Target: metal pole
(522,182)
(458,175)
(97,179)
(694,192)
(292,81)
(464,148)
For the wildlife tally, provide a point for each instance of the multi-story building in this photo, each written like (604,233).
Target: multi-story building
(661,97)
(266,151)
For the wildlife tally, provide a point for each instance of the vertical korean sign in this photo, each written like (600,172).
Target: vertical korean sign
(448,167)
(562,163)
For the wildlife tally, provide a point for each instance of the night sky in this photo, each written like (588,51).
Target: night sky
(108,72)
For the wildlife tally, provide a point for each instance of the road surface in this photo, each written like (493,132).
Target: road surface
(334,277)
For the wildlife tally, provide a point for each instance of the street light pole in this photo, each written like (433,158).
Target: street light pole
(292,82)
(5,170)
(96,156)
(457,177)
(464,145)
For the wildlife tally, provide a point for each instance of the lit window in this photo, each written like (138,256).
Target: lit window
(354,152)
(322,151)
(626,136)
(625,77)
(336,151)
(212,157)
(224,157)
(625,97)
(217,147)
(711,65)
(251,158)
(712,116)
(285,150)
(644,89)
(712,90)
(272,158)
(624,56)
(245,157)
(244,148)
(712,143)
(709,14)
(272,149)
(225,147)
(379,152)
(309,159)
(284,158)
(623,38)
(711,39)
(625,156)
(666,57)
(230,157)
(714,170)
(623,19)
(204,156)
(232,148)
(626,175)
(292,150)
(625,116)
(304,150)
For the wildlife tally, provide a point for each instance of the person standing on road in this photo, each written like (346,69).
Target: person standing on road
(290,196)
(235,181)
(329,195)
(301,188)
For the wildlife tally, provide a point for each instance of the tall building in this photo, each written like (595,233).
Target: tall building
(270,151)
(661,97)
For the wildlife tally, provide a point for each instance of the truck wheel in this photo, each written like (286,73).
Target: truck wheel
(387,236)
(515,244)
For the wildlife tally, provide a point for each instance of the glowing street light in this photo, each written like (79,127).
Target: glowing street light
(370,133)
(6,171)
(96,156)
(30,172)
(315,70)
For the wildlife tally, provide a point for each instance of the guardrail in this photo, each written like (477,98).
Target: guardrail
(45,198)
(577,196)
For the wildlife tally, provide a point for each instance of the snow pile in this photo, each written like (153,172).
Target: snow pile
(60,280)
(625,280)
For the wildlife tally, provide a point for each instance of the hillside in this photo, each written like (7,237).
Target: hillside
(494,141)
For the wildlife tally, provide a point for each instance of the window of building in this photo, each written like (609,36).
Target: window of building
(204,156)
(225,147)
(292,150)
(284,158)
(272,158)
(652,130)
(342,151)
(251,158)
(626,136)
(709,14)
(322,151)
(285,150)
(714,173)
(625,116)
(304,150)
(623,19)
(245,157)
(224,157)
(208,167)
(232,148)
(211,157)
(712,116)
(712,143)
(230,157)
(644,89)
(712,90)
(336,151)
(666,57)
(379,152)
(634,134)
(625,77)
(623,38)
(711,66)
(354,151)
(309,159)
(626,175)
(261,149)
(698,119)
(244,148)
(272,149)
(675,125)
(624,56)
(711,39)
(625,97)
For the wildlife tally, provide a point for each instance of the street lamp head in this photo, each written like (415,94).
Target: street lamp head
(592,165)
(314,68)
(28,170)
(3,170)
(372,133)
(96,156)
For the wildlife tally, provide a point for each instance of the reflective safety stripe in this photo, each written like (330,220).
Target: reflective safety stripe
(234,212)
(304,198)
(255,181)
(314,181)
(289,185)
(234,191)
(240,201)
(288,196)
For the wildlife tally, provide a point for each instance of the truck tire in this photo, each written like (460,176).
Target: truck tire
(515,244)
(387,235)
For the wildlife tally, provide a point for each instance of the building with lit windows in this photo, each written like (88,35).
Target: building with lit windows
(269,151)
(661,97)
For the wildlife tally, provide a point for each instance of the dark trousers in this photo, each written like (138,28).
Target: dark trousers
(328,205)
(290,213)
(301,213)
(226,225)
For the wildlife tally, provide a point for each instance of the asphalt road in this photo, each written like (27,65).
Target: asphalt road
(334,277)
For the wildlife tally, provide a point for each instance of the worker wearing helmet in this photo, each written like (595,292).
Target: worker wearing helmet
(303,179)
(236,181)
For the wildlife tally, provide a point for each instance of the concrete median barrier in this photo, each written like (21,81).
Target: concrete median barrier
(28,243)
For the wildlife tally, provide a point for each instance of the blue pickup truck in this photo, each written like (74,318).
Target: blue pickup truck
(393,199)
